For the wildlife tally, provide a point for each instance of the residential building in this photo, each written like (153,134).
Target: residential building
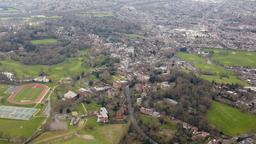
(102,116)
(70,95)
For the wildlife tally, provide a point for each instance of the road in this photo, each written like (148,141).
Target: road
(132,117)
(47,110)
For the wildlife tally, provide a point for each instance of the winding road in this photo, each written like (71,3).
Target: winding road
(132,117)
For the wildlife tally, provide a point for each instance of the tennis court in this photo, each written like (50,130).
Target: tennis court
(18,113)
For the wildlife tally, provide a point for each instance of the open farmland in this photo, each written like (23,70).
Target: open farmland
(231,121)
(233,58)
(211,72)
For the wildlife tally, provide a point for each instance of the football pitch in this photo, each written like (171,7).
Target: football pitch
(28,93)
(32,93)
(18,113)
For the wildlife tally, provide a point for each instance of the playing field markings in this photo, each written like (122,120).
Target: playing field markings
(84,108)
(45,93)
(29,94)
(18,113)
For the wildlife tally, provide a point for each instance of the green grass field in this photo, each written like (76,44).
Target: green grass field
(107,134)
(76,140)
(149,120)
(47,17)
(3,89)
(101,134)
(92,107)
(3,94)
(19,128)
(211,72)
(8,10)
(3,142)
(98,14)
(45,42)
(68,68)
(28,93)
(233,58)
(104,134)
(230,120)
(135,36)
(218,79)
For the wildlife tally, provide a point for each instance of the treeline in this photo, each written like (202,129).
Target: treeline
(109,28)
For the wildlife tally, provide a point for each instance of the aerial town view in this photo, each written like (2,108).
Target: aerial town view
(127,71)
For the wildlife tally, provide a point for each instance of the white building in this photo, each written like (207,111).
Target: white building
(103,115)
(70,95)
(41,79)
(9,75)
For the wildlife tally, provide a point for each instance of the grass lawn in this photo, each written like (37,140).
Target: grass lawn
(233,57)
(8,10)
(49,17)
(76,140)
(201,63)
(169,125)
(135,36)
(98,14)
(211,72)
(219,79)
(80,109)
(230,120)
(28,93)
(3,94)
(68,68)
(19,128)
(45,42)
(149,120)
(101,134)
(93,106)
(3,89)
(105,134)
(3,142)
(52,135)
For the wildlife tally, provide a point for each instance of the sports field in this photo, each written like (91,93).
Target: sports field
(28,94)
(230,120)
(233,57)
(18,113)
